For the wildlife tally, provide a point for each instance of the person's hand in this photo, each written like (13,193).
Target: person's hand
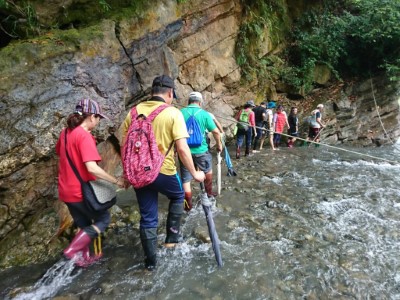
(120,183)
(199,176)
(219,148)
(126,183)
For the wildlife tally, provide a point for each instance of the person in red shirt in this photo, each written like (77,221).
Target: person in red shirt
(246,127)
(280,120)
(81,147)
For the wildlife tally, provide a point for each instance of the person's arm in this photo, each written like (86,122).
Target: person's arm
(252,121)
(219,126)
(186,158)
(124,130)
(217,138)
(94,169)
(318,119)
(287,122)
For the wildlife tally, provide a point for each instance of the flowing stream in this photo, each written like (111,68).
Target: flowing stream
(302,223)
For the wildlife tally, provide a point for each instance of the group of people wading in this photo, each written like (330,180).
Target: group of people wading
(169,128)
(257,123)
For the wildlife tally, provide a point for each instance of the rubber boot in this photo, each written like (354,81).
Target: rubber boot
(86,259)
(247,152)
(173,225)
(148,237)
(238,152)
(188,205)
(208,186)
(80,242)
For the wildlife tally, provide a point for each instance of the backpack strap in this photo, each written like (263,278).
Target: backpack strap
(188,111)
(152,115)
(155,112)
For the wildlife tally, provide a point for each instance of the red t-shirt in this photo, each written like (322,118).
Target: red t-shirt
(81,148)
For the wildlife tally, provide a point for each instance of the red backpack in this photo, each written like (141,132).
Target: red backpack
(141,158)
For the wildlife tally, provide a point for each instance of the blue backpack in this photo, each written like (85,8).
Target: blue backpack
(195,135)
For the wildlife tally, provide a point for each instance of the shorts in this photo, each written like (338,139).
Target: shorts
(293,134)
(202,161)
(313,132)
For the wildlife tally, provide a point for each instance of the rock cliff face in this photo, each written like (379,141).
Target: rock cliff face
(115,63)
(364,113)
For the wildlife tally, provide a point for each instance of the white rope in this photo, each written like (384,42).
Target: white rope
(379,116)
(316,143)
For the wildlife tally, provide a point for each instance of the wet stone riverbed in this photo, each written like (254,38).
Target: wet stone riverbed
(302,223)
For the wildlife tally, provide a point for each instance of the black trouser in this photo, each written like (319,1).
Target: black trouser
(84,218)
(259,130)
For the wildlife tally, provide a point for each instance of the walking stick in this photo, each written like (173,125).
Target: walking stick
(319,132)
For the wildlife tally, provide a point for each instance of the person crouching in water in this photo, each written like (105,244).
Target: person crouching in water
(77,141)
(280,120)
(293,130)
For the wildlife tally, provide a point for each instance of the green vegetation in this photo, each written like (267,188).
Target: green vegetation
(360,38)
(19,20)
(264,23)
(350,37)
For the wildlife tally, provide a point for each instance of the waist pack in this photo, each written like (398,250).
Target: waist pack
(141,158)
(98,195)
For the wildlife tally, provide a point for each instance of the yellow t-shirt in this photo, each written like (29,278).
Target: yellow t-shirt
(168,126)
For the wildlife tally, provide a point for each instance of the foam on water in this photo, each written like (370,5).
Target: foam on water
(59,275)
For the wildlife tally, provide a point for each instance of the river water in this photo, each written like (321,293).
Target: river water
(302,223)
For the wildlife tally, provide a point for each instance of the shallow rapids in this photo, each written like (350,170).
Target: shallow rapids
(302,223)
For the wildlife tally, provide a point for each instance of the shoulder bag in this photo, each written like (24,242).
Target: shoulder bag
(98,194)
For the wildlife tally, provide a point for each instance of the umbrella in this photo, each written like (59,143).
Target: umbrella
(219,159)
(231,171)
(206,203)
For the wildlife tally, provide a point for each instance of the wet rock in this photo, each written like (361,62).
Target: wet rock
(272,204)
(202,235)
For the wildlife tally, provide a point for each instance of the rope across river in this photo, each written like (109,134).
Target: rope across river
(317,143)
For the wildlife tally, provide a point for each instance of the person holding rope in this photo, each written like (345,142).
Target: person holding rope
(280,120)
(260,114)
(316,124)
(201,156)
(268,125)
(169,128)
(293,130)
(246,127)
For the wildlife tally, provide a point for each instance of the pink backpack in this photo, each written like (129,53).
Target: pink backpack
(142,160)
